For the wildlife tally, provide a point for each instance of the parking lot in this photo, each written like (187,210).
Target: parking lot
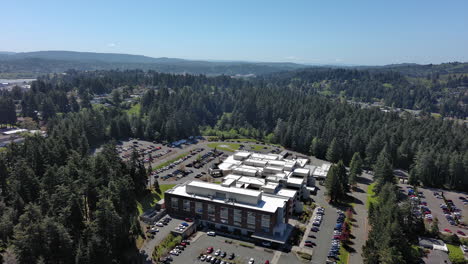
(325,234)
(434,202)
(242,254)
(149,244)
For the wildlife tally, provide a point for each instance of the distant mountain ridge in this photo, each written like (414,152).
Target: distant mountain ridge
(43,62)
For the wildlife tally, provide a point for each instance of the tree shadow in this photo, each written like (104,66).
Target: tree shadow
(357,189)
(363,180)
(348,248)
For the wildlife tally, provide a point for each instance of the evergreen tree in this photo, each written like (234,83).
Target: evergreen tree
(383,171)
(333,151)
(355,168)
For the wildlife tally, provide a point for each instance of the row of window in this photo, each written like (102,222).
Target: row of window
(224,213)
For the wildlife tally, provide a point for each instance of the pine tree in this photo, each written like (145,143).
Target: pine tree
(333,152)
(355,169)
(383,171)
(337,182)
(332,184)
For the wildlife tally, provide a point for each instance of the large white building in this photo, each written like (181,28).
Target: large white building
(258,194)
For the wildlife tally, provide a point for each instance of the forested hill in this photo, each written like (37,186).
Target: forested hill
(59,204)
(422,70)
(44,62)
(444,94)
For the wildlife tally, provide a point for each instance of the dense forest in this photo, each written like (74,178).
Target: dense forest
(444,94)
(51,182)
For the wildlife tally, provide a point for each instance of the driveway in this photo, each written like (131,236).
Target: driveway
(360,225)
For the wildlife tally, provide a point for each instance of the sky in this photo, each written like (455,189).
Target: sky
(351,32)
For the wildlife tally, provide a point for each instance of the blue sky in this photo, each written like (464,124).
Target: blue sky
(310,31)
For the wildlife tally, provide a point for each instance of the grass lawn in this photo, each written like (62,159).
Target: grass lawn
(226,146)
(244,139)
(164,164)
(371,198)
(134,110)
(152,198)
(256,147)
(344,254)
(455,254)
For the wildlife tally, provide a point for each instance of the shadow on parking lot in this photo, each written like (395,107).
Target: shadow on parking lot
(364,180)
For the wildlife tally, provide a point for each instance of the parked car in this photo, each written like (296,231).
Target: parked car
(211,233)
(251,261)
(209,250)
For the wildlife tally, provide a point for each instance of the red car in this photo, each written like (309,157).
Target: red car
(460,232)
(209,250)
(267,262)
(448,230)
(188,219)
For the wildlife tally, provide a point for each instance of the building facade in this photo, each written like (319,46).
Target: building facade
(230,209)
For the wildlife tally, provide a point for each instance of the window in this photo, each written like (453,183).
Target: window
(175,203)
(198,208)
(266,223)
(250,220)
(211,212)
(237,217)
(186,205)
(224,214)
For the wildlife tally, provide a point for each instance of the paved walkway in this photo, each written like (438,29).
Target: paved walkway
(276,257)
(360,226)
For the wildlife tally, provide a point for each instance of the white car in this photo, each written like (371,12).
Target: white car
(211,233)
(251,261)
(217,252)
(464,248)
(202,258)
(160,224)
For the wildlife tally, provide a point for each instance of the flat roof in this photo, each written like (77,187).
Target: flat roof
(251,180)
(302,170)
(265,156)
(267,203)
(217,187)
(295,180)
(243,154)
(287,192)
(228,163)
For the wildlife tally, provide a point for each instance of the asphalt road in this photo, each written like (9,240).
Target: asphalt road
(360,225)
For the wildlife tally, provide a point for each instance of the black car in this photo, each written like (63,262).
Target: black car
(232,256)
(223,254)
